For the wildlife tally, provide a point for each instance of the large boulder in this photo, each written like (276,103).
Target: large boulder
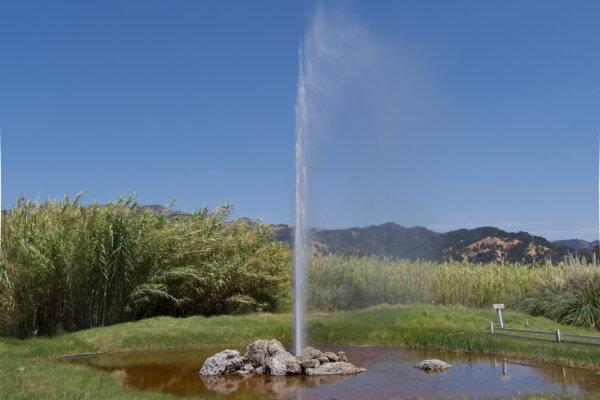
(434,365)
(334,368)
(275,367)
(331,356)
(311,353)
(312,363)
(292,365)
(222,363)
(258,351)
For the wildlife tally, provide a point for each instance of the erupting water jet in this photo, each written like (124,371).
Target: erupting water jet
(301,234)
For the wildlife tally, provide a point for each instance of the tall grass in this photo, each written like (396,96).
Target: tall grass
(342,283)
(65,266)
(572,297)
(568,293)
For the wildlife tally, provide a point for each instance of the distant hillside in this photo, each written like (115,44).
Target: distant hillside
(166,211)
(485,244)
(578,245)
(392,240)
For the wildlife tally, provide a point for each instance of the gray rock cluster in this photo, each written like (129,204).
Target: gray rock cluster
(222,363)
(433,365)
(269,357)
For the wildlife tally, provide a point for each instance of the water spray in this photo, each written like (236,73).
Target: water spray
(301,233)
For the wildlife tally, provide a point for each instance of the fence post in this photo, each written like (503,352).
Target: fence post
(558,335)
(492,328)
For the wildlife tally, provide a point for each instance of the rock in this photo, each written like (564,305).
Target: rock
(334,368)
(257,352)
(270,357)
(246,369)
(301,359)
(260,351)
(275,347)
(221,363)
(342,356)
(433,365)
(274,367)
(312,363)
(292,366)
(311,353)
(331,356)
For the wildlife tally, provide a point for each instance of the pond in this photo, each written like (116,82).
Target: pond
(391,375)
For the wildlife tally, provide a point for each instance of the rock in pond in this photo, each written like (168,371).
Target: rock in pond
(274,367)
(270,357)
(311,353)
(246,369)
(342,356)
(222,363)
(292,365)
(312,363)
(433,365)
(335,368)
(258,351)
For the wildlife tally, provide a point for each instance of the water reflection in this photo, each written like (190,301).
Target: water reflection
(391,374)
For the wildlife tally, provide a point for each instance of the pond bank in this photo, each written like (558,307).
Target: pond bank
(32,370)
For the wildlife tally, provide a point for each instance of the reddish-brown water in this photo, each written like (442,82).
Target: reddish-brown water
(391,375)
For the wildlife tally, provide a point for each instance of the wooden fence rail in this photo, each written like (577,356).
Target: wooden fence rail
(556,333)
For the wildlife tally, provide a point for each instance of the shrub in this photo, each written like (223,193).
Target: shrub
(572,297)
(65,266)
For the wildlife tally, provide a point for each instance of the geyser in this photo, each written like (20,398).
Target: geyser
(301,233)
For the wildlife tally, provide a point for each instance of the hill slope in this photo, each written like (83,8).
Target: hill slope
(395,241)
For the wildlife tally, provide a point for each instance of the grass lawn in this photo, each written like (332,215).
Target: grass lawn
(29,369)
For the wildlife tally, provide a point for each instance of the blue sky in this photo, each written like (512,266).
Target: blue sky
(485,113)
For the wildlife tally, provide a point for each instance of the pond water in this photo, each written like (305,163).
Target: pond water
(391,375)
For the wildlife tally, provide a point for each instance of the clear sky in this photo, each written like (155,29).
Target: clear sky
(486,113)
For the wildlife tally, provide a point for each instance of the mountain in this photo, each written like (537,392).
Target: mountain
(166,211)
(484,244)
(578,245)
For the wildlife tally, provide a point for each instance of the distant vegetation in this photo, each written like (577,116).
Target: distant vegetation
(65,266)
(567,293)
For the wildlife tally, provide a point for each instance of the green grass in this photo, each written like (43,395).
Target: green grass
(432,327)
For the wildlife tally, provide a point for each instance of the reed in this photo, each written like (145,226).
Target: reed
(572,297)
(568,293)
(65,266)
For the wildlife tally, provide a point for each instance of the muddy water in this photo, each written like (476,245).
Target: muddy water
(391,375)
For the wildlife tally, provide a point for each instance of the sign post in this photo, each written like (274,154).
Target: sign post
(499,308)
